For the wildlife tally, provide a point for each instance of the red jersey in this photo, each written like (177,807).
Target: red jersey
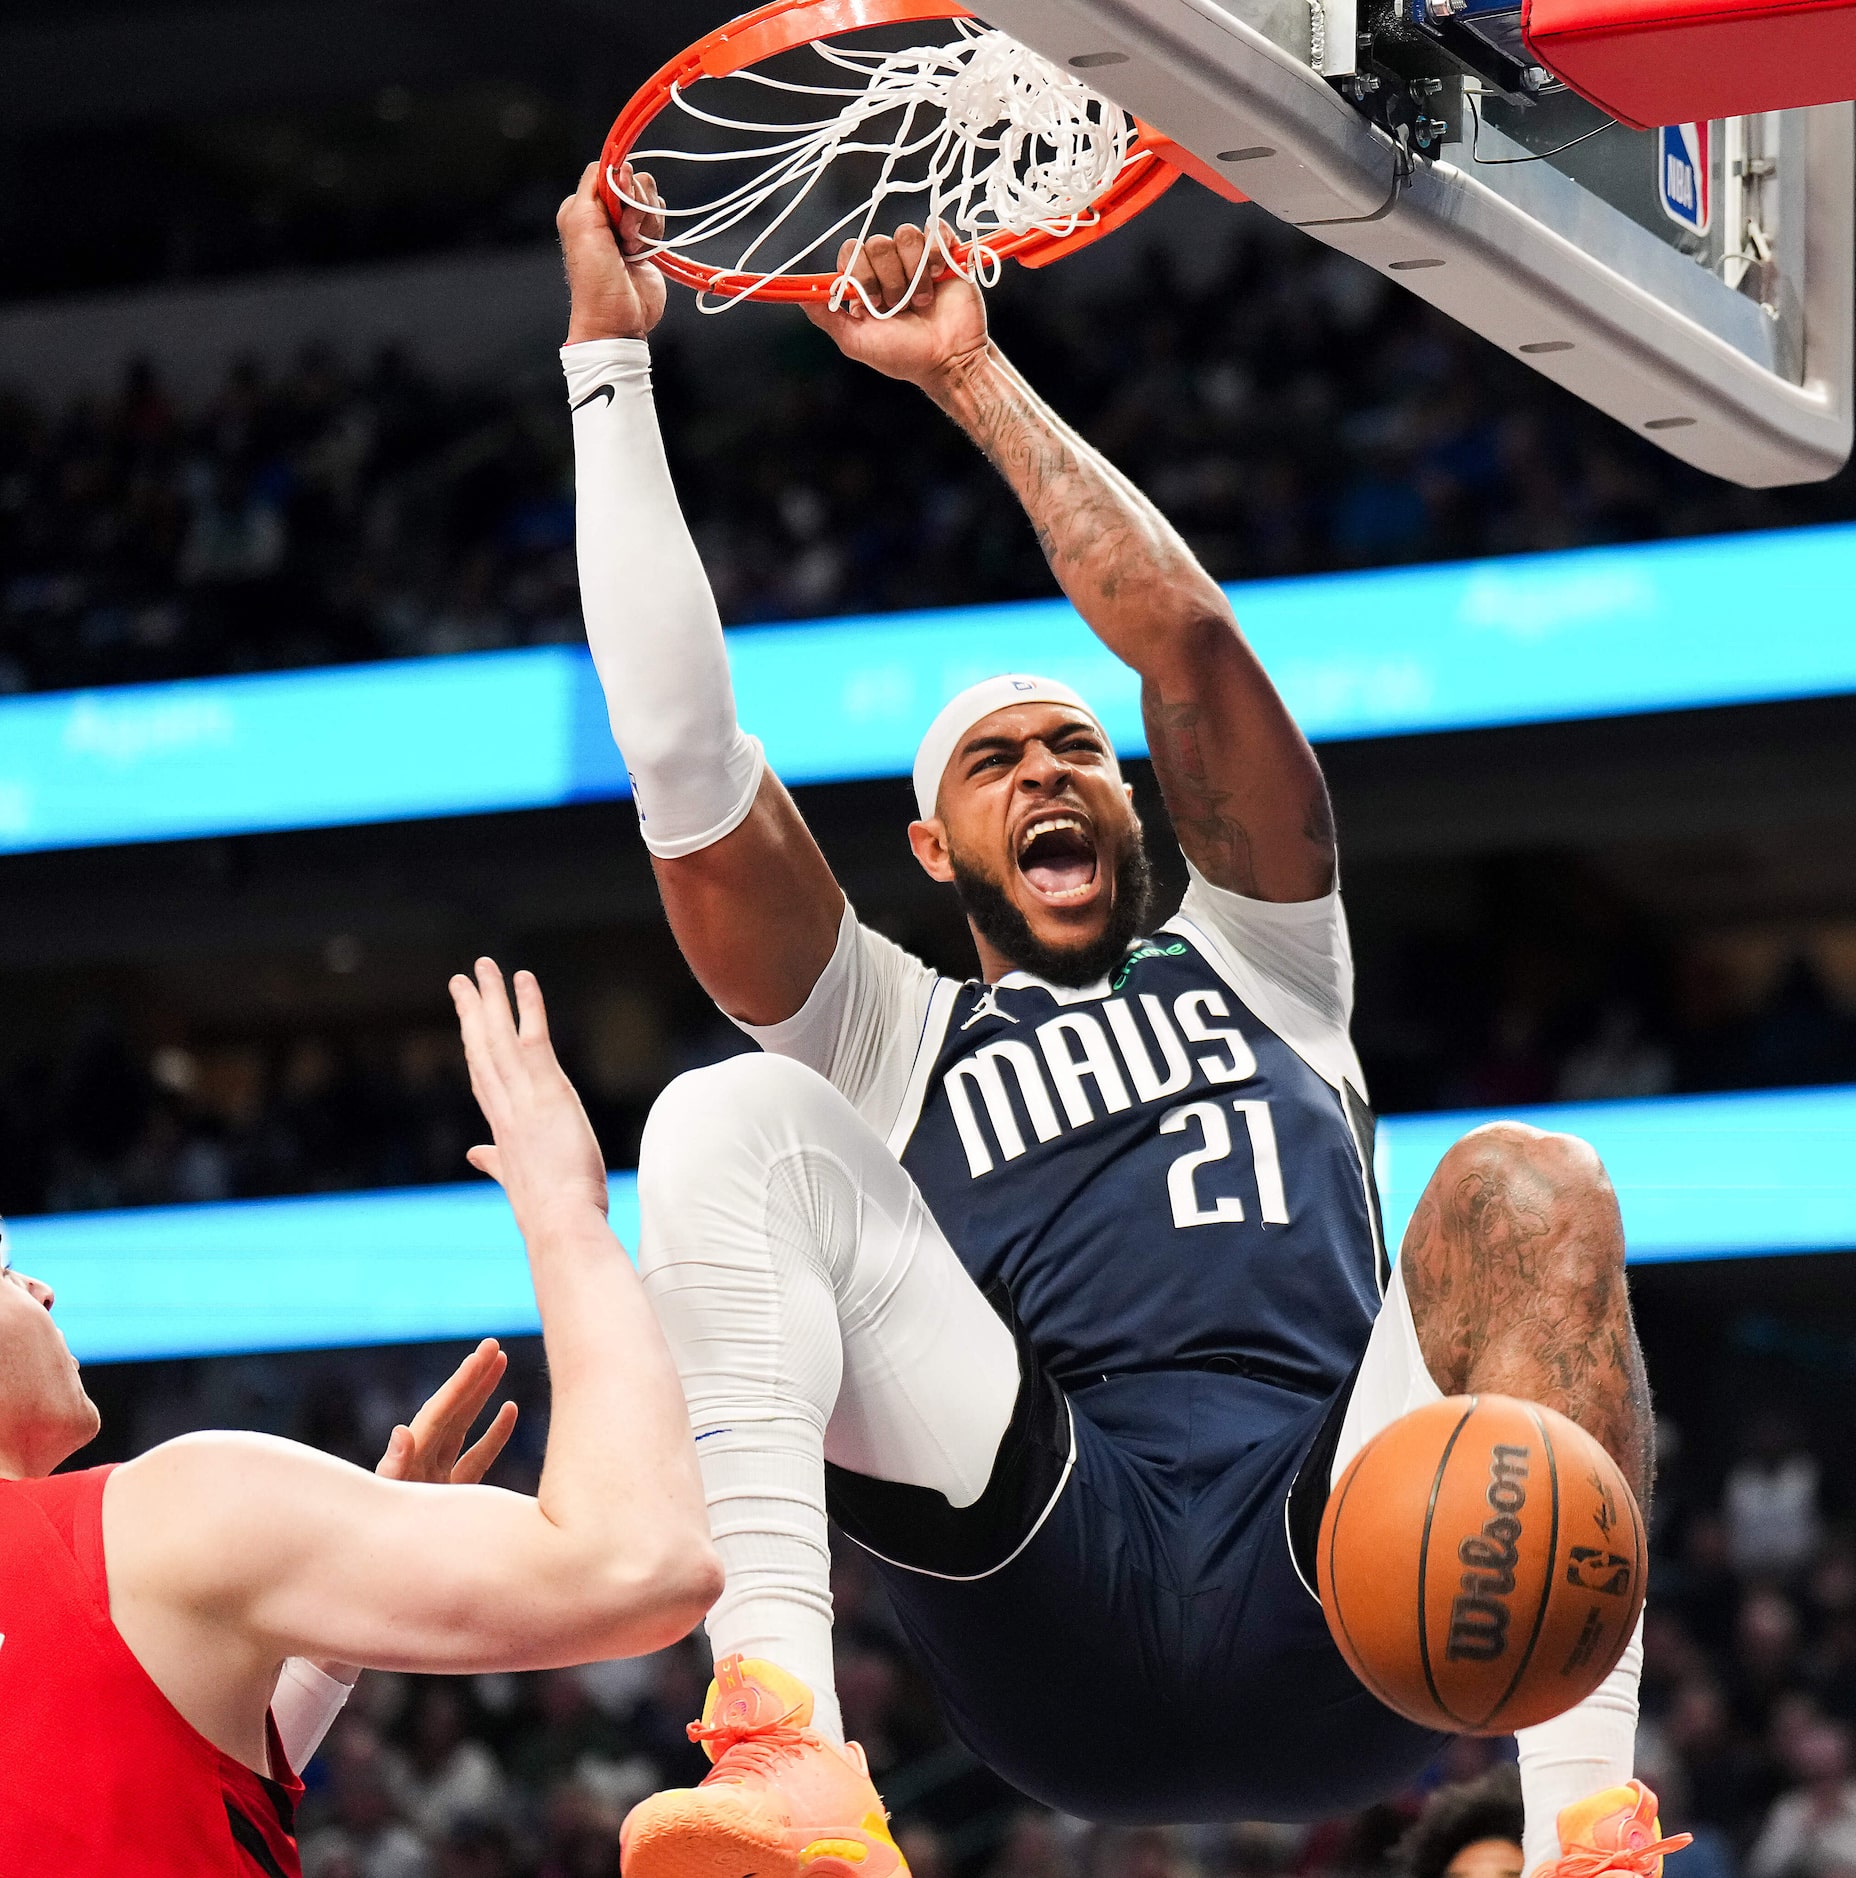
(99,1775)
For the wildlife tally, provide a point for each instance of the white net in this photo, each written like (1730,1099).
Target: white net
(979,135)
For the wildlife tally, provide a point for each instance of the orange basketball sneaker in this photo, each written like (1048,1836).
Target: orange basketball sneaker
(1616,1829)
(781,1802)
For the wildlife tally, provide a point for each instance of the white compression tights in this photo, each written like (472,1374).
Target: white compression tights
(815,1309)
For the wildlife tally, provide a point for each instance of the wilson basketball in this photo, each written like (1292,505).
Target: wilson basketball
(1481,1564)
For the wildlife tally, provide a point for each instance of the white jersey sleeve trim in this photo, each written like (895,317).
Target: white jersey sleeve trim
(1319,1039)
(1301,946)
(862,1023)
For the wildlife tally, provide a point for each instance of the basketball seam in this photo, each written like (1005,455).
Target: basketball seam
(1373,1688)
(1424,1562)
(1546,1590)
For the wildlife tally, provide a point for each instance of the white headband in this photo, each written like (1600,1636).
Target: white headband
(962,712)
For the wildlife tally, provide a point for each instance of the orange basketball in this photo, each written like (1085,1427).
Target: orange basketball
(1481,1564)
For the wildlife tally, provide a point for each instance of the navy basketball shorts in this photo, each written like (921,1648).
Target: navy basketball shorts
(1119,1625)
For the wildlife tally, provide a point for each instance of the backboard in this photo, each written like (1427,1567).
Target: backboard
(1696,283)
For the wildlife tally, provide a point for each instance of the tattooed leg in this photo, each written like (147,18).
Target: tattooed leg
(1514,1264)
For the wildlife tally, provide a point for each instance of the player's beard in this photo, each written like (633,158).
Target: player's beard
(1008,932)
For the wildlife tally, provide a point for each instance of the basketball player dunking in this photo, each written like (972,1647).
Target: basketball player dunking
(1062,1289)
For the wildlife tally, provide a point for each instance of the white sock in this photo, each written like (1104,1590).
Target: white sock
(767,1516)
(1575,1755)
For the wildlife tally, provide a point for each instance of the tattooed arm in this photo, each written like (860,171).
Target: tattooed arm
(1244,790)
(1240,781)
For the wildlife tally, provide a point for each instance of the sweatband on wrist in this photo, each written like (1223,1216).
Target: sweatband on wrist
(304,1706)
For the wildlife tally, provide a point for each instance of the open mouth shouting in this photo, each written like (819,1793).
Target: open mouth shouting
(1057,857)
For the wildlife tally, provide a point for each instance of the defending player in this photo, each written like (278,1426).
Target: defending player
(1063,1288)
(147,1609)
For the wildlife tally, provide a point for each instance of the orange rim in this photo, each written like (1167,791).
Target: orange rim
(785,25)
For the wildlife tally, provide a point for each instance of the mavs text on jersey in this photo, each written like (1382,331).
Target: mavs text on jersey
(1153,1173)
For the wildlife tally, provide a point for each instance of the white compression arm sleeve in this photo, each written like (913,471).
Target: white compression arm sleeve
(650,617)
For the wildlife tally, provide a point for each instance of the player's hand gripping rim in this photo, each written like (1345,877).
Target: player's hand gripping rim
(905,311)
(617,291)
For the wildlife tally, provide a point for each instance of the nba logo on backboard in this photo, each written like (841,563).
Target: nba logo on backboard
(1682,175)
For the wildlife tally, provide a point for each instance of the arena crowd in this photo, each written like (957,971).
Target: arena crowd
(1291,411)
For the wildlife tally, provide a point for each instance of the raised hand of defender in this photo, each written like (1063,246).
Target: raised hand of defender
(942,320)
(617,293)
(430,1447)
(545,1156)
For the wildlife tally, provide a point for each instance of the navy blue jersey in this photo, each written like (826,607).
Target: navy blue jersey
(1157,1176)
(1169,1168)
(1170,1171)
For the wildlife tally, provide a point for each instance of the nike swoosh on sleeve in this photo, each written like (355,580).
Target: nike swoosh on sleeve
(598,391)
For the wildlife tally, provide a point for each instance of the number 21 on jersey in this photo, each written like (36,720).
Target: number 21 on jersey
(1214,1128)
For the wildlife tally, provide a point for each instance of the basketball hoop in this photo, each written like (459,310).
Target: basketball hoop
(1014,156)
